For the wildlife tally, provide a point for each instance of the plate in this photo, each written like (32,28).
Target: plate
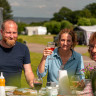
(22,92)
(10,88)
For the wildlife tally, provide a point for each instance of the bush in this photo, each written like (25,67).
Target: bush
(66,24)
(20,40)
(83,22)
(53,27)
(21,27)
(93,21)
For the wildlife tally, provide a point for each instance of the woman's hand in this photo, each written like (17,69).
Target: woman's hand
(47,52)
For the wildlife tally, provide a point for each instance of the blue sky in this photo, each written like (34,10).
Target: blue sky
(44,8)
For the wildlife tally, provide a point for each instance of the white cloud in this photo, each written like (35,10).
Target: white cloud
(44,8)
(15,4)
(41,6)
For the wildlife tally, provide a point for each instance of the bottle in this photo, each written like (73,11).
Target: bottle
(2,85)
(94,82)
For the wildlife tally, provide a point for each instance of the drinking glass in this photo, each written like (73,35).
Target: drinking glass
(51,84)
(37,84)
(74,81)
(51,46)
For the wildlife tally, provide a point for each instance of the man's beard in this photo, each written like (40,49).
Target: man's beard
(9,42)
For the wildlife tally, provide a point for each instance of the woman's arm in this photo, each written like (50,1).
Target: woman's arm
(41,66)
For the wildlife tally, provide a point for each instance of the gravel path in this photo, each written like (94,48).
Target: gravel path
(86,59)
(36,47)
(39,49)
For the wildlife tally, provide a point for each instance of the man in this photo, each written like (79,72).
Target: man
(92,51)
(14,56)
(92,46)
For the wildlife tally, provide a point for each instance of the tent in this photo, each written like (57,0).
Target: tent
(83,33)
(35,30)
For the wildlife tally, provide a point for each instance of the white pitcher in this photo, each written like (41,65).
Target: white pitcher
(64,87)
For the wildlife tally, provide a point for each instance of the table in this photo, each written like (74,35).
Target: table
(87,91)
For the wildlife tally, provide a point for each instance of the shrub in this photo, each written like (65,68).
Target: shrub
(93,21)
(66,24)
(53,27)
(20,40)
(84,22)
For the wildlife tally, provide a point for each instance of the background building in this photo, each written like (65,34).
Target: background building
(83,33)
(36,30)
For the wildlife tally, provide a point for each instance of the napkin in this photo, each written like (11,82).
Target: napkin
(64,87)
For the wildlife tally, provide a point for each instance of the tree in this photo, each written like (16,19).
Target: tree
(74,16)
(66,24)
(21,27)
(93,21)
(92,8)
(53,27)
(37,23)
(85,13)
(62,14)
(83,22)
(6,9)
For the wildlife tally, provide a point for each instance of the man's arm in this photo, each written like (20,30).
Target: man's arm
(29,74)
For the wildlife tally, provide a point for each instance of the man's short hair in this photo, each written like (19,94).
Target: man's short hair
(9,21)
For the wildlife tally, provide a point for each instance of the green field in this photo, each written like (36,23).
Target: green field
(35,60)
(40,39)
(36,57)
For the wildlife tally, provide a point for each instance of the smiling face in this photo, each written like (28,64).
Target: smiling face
(9,34)
(65,41)
(92,50)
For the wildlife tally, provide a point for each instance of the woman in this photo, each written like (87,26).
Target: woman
(64,57)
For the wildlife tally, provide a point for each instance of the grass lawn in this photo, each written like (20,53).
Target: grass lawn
(35,60)
(81,45)
(86,54)
(36,57)
(40,39)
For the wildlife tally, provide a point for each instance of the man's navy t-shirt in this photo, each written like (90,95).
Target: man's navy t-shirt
(11,62)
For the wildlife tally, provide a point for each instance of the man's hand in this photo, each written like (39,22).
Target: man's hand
(29,74)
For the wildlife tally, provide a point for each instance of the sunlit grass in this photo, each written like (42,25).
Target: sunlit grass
(36,57)
(81,45)
(35,60)
(86,54)
(40,39)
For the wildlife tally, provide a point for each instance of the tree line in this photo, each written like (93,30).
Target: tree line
(89,11)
